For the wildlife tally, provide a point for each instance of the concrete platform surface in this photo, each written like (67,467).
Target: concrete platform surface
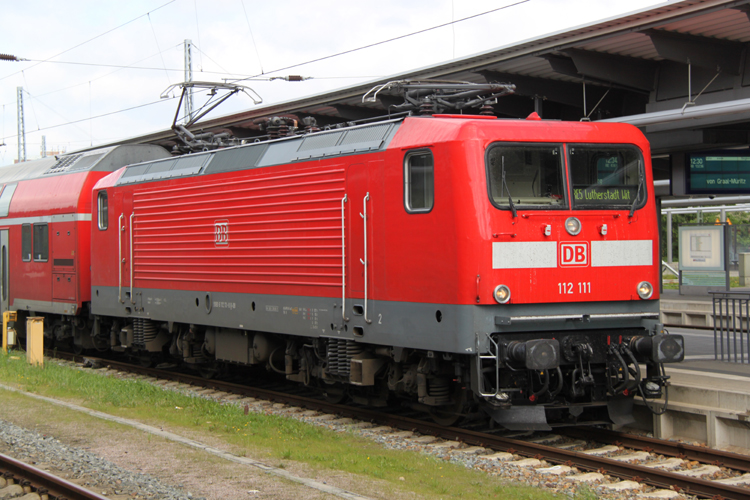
(707,374)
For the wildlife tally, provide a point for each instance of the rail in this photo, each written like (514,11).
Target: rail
(731,313)
(586,462)
(53,486)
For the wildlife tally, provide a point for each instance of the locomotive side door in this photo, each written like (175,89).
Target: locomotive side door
(4,269)
(358,244)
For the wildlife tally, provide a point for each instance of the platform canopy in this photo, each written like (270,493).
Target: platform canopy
(680,71)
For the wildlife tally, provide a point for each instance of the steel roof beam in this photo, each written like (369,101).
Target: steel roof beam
(618,70)
(562,64)
(713,53)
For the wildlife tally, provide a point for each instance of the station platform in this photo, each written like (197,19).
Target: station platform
(689,310)
(709,404)
(709,399)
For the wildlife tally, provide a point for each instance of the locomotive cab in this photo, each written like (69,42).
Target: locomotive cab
(573,332)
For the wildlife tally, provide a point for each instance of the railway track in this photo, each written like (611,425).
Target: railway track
(585,460)
(19,478)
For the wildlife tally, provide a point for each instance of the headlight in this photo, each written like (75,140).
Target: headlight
(573,226)
(501,294)
(645,290)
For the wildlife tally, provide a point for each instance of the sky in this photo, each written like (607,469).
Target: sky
(95,69)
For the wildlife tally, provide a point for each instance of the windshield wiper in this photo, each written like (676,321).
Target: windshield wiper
(505,185)
(638,192)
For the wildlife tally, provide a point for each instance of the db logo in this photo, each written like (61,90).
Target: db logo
(221,232)
(574,254)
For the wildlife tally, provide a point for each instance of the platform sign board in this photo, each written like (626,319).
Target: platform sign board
(701,248)
(703,259)
(718,172)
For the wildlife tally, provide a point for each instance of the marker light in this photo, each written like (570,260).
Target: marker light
(501,294)
(573,226)
(645,290)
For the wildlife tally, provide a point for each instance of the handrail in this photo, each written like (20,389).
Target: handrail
(364,216)
(132,298)
(671,269)
(343,262)
(490,356)
(120,229)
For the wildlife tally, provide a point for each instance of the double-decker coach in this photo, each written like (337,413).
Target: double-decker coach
(45,234)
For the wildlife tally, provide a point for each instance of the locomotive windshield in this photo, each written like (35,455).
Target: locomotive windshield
(606,176)
(526,176)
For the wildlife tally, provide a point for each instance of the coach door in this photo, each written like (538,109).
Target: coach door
(359,245)
(4,268)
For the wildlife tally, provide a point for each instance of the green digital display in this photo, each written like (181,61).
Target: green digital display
(604,194)
(719,172)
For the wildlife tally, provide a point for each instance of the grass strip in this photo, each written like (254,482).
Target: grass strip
(264,436)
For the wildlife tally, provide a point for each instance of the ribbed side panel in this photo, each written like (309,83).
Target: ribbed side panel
(274,229)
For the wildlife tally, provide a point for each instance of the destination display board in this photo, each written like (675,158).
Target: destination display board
(717,172)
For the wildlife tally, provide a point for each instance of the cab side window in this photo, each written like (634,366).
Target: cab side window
(419,189)
(103,209)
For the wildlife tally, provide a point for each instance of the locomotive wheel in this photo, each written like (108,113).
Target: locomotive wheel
(452,414)
(335,393)
(447,417)
(145,361)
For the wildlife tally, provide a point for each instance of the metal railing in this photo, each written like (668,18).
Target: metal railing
(731,312)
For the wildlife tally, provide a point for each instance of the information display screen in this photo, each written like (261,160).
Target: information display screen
(718,172)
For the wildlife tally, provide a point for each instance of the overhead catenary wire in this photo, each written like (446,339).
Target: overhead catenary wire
(400,37)
(252,38)
(36,98)
(90,39)
(156,39)
(31,103)
(177,70)
(198,29)
(119,68)
(244,78)
(212,60)
(101,115)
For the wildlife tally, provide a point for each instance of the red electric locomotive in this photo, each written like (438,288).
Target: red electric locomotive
(464,263)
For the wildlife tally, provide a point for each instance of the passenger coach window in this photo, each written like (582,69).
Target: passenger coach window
(419,187)
(41,242)
(606,176)
(103,210)
(26,242)
(529,174)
